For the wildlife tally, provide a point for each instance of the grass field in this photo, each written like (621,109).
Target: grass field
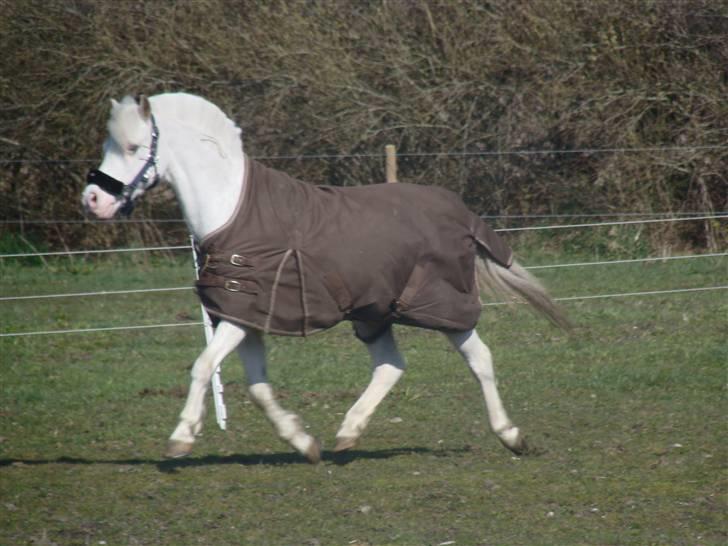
(627,415)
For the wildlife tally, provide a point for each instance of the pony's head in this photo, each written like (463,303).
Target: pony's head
(129,167)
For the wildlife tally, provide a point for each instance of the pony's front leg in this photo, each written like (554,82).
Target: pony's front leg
(287,424)
(227,336)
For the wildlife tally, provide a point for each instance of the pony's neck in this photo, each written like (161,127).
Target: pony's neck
(204,165)
(208,185)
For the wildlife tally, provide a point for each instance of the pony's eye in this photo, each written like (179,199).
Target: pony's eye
(133,148)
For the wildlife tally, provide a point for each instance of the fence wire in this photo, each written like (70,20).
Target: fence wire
(437,155)
(94,251)
(527,228)
(179,324)
(622,223)
(611,214)
(188,288)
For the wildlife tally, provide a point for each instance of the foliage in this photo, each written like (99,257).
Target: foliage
(327,77)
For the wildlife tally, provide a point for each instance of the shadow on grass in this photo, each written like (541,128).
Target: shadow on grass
(269,459)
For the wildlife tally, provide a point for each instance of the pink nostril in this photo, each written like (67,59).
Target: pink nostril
(92,199)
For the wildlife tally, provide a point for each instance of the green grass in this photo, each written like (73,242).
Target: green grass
(628,416)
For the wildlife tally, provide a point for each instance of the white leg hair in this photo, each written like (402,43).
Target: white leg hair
(227,336)
(478,357)
(287,424)
(387,367)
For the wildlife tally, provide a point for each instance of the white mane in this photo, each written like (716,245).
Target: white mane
(202,115)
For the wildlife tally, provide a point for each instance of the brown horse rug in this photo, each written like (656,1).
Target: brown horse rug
(296,258)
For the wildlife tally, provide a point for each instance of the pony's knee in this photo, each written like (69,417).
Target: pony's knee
(202,369)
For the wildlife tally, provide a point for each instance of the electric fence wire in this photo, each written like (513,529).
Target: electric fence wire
(528,228)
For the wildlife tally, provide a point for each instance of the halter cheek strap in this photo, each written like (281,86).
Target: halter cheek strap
(143,180)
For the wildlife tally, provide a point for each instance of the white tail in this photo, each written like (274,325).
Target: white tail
(517,283)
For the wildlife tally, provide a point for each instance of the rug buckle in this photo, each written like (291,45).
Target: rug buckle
(238,260)
(232,286)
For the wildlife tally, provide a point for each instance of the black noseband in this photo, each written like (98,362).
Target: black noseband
(105,182)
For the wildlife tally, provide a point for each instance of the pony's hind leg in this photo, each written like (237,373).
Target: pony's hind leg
(387,367)
(287,424)
(478,357)
(227,336)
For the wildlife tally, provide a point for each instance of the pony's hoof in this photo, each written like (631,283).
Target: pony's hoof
(520,447)
(344,443)
(177,449)
(313,453)
(514,441)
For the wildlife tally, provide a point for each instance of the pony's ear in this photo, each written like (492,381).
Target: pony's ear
(114,103)
(145,109)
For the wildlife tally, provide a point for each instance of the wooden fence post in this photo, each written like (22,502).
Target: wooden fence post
(391,165)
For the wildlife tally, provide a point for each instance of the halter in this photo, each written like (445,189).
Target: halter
(142,181)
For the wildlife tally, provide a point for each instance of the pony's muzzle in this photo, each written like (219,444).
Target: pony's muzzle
(99,203)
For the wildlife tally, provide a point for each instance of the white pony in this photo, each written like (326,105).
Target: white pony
(191,144)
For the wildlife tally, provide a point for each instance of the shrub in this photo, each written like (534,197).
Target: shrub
(341,78)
